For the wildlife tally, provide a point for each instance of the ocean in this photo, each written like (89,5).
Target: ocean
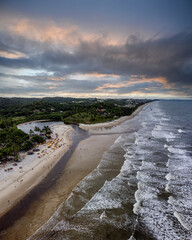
(142,188)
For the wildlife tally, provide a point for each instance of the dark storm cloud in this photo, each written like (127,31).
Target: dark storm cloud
(76,46)
(19,63)
(11,42)
(169,57)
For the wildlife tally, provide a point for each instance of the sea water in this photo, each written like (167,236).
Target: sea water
(142,188)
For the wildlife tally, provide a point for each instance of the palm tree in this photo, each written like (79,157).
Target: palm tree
(47,130)
(37,129)
(31,132)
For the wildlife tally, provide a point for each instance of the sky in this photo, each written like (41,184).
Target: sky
(96,48)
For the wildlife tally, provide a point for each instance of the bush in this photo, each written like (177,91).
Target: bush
(27,145)
(37,139)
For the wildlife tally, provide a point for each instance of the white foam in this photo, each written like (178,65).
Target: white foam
(169,176)
(103,199)
(181,131)
(132,238)
(165,119)
(177,158)
(168,162)
(167,187)
(148,165)
(143,124)
(170,137)
(103,215)
(119,140)
(136,207)
(137,194)
(66,226)
(180,204)
(163,134)
(179,151)
(158,127)
(181,219)
(127,166)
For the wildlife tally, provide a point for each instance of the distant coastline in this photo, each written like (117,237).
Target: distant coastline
(112,123)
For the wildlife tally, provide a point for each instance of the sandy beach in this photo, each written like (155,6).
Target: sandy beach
(18,181)
(84,159)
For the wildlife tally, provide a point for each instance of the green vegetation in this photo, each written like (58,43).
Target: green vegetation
(69,110)
(47,131)
(13,140)
(27,145)
(37,139)
(37,129)
(97,112)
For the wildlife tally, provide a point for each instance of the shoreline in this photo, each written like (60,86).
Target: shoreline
(44,120)
(29,173)
(83,161)
(75,170)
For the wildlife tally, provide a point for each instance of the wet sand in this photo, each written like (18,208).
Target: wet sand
(15,184)
(84,159)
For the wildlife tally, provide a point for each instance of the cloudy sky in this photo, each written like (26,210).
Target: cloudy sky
(96,48)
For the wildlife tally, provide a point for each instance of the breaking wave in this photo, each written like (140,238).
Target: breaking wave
(142,188)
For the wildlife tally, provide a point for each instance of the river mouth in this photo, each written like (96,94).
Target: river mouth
(40,204)
(141,188)
(38,193)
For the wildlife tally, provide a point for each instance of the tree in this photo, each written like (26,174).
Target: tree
(37,139)
(27,145)
(47,131)
(37,129)
(31,132)
(92,119)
